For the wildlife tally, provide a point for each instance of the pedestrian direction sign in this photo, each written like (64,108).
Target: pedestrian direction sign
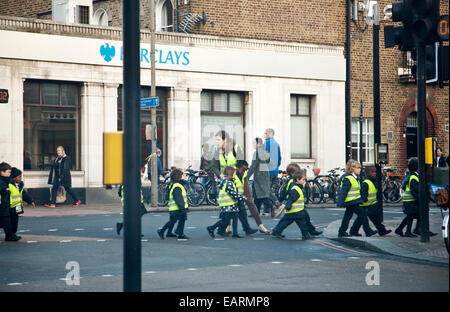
(150,102)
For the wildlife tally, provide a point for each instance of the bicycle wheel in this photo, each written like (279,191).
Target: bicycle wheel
(162,195)
(326,183)
(195,194)
(335,187)
(211,194)
(314,192)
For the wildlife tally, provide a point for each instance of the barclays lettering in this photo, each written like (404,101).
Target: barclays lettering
(162,56)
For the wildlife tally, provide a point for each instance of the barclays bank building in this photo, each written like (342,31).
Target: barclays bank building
(65,88)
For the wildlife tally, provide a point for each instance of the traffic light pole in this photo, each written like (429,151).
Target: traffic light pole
(376,98)
(348,78)
(421,112)
(131,148)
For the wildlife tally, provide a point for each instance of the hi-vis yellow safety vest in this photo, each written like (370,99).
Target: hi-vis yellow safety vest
(172,204)
(230,161)
(354,192)
(408,196)
(240,183)
(372,194)
(224,198)
(15,198)
(299,204)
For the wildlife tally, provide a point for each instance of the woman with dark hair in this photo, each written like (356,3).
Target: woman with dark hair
(226,153)
(60,176)
(261,163)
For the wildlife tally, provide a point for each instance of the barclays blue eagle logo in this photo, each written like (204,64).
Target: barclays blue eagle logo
(107,52)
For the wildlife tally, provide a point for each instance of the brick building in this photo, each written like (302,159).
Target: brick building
(309,95)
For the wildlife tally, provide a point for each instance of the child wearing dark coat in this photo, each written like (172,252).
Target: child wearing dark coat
(178,205)
(18,195)
(229,199)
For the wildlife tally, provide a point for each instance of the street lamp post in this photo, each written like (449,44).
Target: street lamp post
(154,159)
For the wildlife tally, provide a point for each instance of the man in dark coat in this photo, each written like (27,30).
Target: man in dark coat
(60,176)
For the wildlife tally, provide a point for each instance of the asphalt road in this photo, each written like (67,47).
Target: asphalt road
(202,264)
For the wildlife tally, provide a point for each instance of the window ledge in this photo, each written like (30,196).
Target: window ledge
(303,160)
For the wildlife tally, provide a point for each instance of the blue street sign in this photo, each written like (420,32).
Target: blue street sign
(150,102)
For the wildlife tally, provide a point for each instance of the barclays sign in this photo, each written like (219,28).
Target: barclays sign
(168,56)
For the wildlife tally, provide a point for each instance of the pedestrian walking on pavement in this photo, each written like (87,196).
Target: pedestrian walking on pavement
(350,197)
(119,225)
(5,199)
(284,194)
(229,199)
(60,176)
(261,182)
(273,148)
(178,206)
(370,203)
(294,210)
(18,196)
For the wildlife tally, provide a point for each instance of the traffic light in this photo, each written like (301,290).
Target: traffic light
(400,36)
(431,63)
(424,20)
(443,65)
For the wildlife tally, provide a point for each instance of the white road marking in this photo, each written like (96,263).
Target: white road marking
(157,215)
(192,269)
(30,242)
(258,238)
(191,227)
(181,239)
(354,258)
(107,275)
(79,229)
(107,229)
(276,262)
(101,240)
(234,265)
(15,284)
(23,231)
(144,240)
(150,272)
(65,241)
(219,239)
(214,217)
(53,230)
(316,260)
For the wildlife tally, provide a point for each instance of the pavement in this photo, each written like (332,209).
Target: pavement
(391,244)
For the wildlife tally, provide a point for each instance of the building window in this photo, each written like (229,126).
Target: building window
(161,122)
(83,14)
(300,126)
(367,140)
(222,110)
(164,15)
(51,118)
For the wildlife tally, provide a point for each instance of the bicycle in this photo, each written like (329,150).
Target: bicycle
(329,184)
(391,185)
(195,191)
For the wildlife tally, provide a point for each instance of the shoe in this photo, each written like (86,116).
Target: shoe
(161,233)
(352,233)
(251,231)
(183,237)
(236,236)
(399,232)
(277,235)
(210,231)
(432,234)
(416,231)
(119,227)
(265,214)
(371,233)
(13,238)
(409,234)
(50,205)
(343,234)
(315,232)
(77,203)
(307,237)
(384,232)
(171,235)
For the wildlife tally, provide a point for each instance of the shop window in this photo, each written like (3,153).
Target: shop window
(300,126)
(222,110)
(161,122)
(367,140)
(51,118)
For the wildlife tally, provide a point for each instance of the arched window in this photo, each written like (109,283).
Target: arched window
(164,15)
(101,17)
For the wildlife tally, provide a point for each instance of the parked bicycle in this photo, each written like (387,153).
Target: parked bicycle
(391,185)
(329,184)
